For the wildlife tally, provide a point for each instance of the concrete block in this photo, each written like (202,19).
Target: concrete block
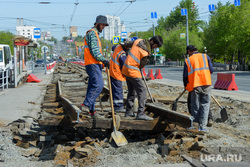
(186,139)
(82,152)
(22,144)
(173,152)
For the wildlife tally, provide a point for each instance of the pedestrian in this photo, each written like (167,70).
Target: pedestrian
(94,60)
(116,62)
(137,58)
(197,80)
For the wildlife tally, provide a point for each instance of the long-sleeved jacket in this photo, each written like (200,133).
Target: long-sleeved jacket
(92,42)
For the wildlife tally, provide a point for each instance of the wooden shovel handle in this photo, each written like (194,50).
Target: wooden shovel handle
(216,101)
(111,99)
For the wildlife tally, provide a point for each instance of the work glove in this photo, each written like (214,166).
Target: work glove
(106,63)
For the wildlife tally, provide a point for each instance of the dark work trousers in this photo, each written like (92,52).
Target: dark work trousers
(210,116)
(136,86)
(117,92)
(95,85)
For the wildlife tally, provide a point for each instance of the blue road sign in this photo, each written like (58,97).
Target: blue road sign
(116,39)
(124,35)
(183,12)
(107,47)
(153,15)
(134,38)
(157,49)
(80,49)
(236,2)
(37,33)
(211,7)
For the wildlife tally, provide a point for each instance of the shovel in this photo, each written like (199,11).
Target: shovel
(174,105)
(153,100)
(118,137)
(223,111)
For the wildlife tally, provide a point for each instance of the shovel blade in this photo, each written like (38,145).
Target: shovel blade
(174,106)
(223,114)
(119,138)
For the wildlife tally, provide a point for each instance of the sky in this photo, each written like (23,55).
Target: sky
(59,15)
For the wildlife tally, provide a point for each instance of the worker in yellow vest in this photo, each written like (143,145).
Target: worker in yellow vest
(94,61)
(137,58)
(197,80)
(116,62)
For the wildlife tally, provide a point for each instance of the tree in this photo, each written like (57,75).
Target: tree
(228,32)
(6,38)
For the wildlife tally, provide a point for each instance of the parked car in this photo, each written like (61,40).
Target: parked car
(39,63)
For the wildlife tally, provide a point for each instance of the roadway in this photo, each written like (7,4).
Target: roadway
(242,78)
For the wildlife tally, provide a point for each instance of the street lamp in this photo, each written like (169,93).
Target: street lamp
(152,26)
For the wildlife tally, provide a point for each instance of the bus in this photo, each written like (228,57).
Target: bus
(5,57)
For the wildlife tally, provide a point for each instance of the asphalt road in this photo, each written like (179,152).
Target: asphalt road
(242,78)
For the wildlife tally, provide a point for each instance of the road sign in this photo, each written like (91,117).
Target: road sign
(124,35)
(116,39)
(45,49)
(37,33)
(236,2)
(153,15)
(134,38)
(182,35)
(211,7)
(157,49)
(183,12)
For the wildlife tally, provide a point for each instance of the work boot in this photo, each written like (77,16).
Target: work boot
(94,114)
(84,108)
(129,114)
(143,117)
(120,110)
(209,122)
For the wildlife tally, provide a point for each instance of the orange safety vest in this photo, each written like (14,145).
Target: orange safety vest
(114,68)
(198,71)
(88,58)
(131,66)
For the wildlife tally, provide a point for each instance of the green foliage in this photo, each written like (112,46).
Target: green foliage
(228,31)
(6,38)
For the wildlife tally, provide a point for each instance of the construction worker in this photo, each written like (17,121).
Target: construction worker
(137,58)
(116,62)
(197,80)
(94,60)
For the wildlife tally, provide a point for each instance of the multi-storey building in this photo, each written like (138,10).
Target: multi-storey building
(114,29)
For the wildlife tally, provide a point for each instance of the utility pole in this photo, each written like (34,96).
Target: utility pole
(183,13)
(187,28)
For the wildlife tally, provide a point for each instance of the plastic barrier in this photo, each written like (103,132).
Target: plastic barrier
(144,73)
(150,74)
(33,78)
(226,82)
(158,74)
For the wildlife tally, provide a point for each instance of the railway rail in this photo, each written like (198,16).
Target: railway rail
(71,90)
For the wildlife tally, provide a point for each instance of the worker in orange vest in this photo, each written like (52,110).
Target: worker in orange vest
(116,62)
(94,61)
(137,58)
(197,80)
